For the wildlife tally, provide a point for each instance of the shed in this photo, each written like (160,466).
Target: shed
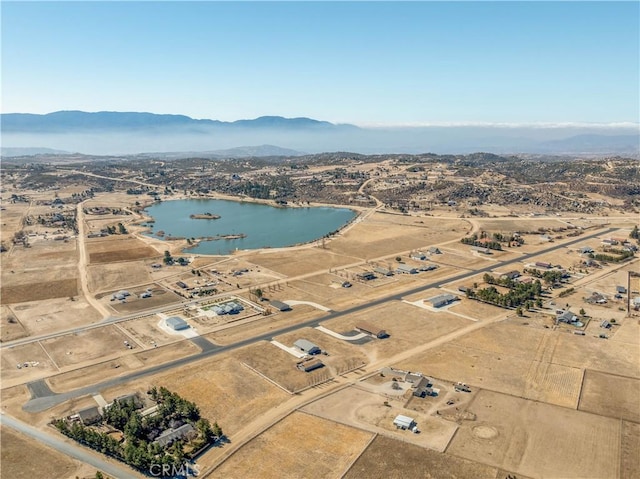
(434,250)
(442,300)
(511,274)
(418,256)
(307,366)
(481,249)
(621,290)
(542,264)
(90,415)
(383,271)
(403,422)
(369,328)
(406,269)
(366,276)
(176,323)
(307,346)
(279,305)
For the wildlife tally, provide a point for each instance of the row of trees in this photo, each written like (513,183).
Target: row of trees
(473,240)
(621,255)
(520,294)
(549,277)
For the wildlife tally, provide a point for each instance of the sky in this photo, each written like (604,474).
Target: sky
(366,63)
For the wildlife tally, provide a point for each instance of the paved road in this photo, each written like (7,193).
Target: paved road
(77,452)
(42,403)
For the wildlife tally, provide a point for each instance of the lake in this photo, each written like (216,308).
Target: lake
(264,226)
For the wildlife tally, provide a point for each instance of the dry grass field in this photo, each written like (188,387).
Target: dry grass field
(279,366)
(23,458)
(10,357)
(118,248)
(407,326)
(342,355)
(146,331)
(512,225)
(20,293)
(364,409)
(611,396)
(629,447)
(113,277)
(224,390)
(10,326)
(537,439)
(12,219)
(306,260)
(393,459)
(76,348)
(508,357)
(298,446)
(51,315)
(263,324)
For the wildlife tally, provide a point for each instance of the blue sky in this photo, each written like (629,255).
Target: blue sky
(355,62)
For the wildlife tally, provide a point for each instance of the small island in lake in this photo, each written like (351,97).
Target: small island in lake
(205,216)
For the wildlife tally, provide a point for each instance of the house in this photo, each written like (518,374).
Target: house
(308,366)
(585,250)
(403,422)
(566,317)
(90,415)
(442,300)
(413,378)
(434,250)
(170,435)
(609,242)
(383,271)
(279,305)
(406,269)
(418,256)
(621,290)
(422,388)
(369,328)
(481,249)
(366,276)
(176,323)
(511,275)
(131,397)
(182,284)
(307,346)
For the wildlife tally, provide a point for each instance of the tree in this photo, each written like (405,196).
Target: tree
(168,259)
(398,259)
(519,311)
(582,312)
(258,293)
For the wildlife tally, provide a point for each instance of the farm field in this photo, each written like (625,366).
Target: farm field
(41,290)
(119,248)
(611,396)
(289,450)
(538,440)
(394,459)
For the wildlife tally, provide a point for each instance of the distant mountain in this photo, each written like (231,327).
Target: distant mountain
(125,133)
(81,122)
(9,152)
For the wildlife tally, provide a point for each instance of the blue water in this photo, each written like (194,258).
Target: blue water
(265,226)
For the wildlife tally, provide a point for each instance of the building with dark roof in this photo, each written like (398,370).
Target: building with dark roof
(369,328)
(90,415)
(279,305)
(308,366)
(170,435)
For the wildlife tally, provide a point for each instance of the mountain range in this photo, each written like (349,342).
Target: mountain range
(138,132)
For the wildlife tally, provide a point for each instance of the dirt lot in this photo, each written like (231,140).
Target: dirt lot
(23,458)
(307,260)
(31,352)
(147,332)
(298,446)
(393,459)
(630,445)
(134,303)
(38,291)
(77,348)
(110,277)
(224,390)
(48,316)
(118,248)
(611,396)
(537,439)
(364,409)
